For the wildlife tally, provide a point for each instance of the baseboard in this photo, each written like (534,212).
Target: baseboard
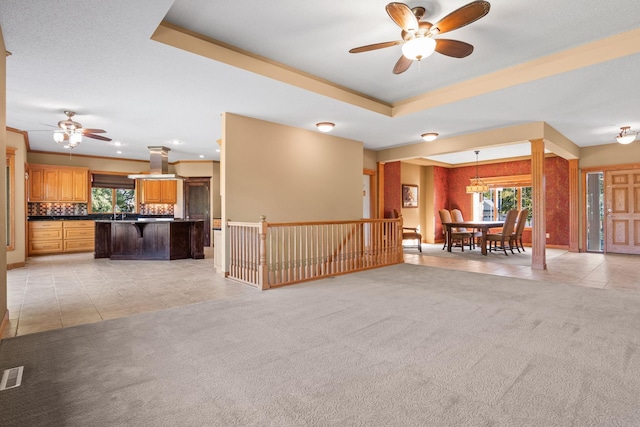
(4,324)
(16,265)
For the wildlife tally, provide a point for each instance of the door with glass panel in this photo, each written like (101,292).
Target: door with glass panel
(595,212)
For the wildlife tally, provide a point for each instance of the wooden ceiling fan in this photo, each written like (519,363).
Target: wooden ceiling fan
(68,127)
(418,40)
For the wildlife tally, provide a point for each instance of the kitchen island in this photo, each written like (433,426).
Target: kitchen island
(149,239)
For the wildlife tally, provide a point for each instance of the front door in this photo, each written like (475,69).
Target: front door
(623,211)
(196,203)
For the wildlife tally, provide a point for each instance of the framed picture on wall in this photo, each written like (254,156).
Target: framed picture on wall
(409,196)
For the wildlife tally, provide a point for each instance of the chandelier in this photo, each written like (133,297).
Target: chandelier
(70,133)
(477,185)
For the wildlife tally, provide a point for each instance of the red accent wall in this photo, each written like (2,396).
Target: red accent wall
(392,188)
(557,187)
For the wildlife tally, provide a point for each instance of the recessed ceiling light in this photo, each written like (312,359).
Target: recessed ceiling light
(217,150)
(117,143)
(119,152)
(202,156)
(176,142)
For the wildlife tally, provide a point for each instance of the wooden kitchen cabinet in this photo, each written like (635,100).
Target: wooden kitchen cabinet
(78,236)
(58,184)
(51,237)
(159,191)
(45,237)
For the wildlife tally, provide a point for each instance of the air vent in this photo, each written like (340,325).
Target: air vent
(11,378)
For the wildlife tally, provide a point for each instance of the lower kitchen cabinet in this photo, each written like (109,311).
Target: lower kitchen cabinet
(78,236)
(45,237)
(51,237)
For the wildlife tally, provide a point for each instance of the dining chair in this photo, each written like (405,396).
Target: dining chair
(520,224)
(409,233)
(505,236)
(456,236)
(457,216)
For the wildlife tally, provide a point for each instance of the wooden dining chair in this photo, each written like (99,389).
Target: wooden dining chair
(457,216)
(505,236)
(517,234)
(456,236)
(409,233)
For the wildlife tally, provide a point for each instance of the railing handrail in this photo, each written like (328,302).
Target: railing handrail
(264,254)
(299,223)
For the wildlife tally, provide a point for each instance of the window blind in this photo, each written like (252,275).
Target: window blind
(104,180)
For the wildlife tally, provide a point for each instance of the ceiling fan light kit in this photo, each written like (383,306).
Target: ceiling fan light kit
(417,36)
(626,136)
(477,185)
(325,126)
(418,48)
(70,132)
(429,136)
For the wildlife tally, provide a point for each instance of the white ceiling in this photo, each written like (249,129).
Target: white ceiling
(96,57)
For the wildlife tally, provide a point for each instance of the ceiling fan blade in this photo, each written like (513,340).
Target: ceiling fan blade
(85,131)
(402,65)
(453,48)
(461,17)
(402,16)
(375,46)
(100,137)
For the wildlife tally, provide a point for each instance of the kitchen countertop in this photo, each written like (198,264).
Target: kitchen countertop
(145,220)
(95,217)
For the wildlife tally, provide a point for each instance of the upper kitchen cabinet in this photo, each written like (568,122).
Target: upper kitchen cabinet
(159,191)
(58,184)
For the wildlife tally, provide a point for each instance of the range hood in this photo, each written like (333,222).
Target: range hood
(159,165)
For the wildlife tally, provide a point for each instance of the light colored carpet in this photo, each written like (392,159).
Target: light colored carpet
(400,346)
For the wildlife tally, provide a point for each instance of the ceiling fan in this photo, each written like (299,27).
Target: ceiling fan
(70,132)
(418,36)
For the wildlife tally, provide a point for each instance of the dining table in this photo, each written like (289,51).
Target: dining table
(482,226)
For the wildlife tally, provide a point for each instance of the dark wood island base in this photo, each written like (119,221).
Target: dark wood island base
(149,240)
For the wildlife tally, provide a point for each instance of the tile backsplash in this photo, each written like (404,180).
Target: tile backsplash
(156,209)
(56,209)
(78,209)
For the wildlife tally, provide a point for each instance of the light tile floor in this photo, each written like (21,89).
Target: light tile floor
(59,291)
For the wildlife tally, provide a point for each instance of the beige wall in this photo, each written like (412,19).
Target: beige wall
(288,174)
(17,255)
(103,164)
(370,159)
(3,192)
(609,155)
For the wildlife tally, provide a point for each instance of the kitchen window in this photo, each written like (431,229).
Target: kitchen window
(112,193)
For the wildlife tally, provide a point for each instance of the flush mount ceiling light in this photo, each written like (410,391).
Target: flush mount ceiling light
(418,48)
(626,136)
(325,126)
(477,185)
(429,136)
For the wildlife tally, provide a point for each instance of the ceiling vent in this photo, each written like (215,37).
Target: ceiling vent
(159,165)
